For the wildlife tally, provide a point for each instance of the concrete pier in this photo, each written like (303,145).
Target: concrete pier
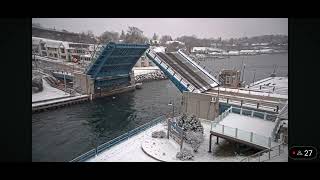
(58,102)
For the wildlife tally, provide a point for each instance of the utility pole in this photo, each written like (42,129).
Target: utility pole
(244,66)
(65,83)
(254,76)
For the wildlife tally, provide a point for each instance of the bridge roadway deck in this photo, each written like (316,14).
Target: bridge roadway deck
(177,68)
(189,68)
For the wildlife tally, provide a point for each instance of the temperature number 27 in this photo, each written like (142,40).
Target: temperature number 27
(307,152)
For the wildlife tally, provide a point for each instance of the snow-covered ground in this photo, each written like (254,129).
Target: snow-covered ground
(166,150)
(128,150)
(48,92)
(131,149)
(144,70)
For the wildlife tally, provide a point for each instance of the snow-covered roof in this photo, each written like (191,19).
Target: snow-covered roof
(170,42)
(276,85)
(259,44)
(159,49)
(207,49)
(247,51)
(54,44)
(86,55)
(233,52)
(199,48)
(65,44)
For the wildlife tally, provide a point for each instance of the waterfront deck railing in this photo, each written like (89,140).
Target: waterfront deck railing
(117,140)
(246,112)
(241,134)
(266,154)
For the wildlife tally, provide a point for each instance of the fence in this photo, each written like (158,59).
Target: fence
(246,112)
(241,134)
(266,154)
(278,120)
(117,140)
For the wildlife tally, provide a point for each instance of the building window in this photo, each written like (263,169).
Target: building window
(62,50)
(43,47)
(228,79)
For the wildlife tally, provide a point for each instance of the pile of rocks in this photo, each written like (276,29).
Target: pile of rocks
(157,75)
(184,154)
(158,134)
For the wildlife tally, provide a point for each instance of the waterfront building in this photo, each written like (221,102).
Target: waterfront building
(63,50)
(230,78)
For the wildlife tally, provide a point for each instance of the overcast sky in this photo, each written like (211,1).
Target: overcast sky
(201,27)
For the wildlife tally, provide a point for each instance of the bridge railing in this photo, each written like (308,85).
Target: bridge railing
(117,140)
(199,67)
(173,72)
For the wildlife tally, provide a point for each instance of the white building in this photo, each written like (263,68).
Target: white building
(207,50)
(177,42)
(248,52)
(234,53)
(63,50)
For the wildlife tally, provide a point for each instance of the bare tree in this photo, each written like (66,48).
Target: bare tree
(165,38)
(135,35)
(108,36)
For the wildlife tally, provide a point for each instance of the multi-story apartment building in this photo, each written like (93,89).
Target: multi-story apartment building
(68,51)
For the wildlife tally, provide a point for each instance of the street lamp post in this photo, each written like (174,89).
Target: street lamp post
(169,126)
(65,83)
(172,104)
(99,90)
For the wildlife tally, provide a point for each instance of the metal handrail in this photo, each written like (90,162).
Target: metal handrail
(278,120)
(117,140)
(260,153)
(250,136)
